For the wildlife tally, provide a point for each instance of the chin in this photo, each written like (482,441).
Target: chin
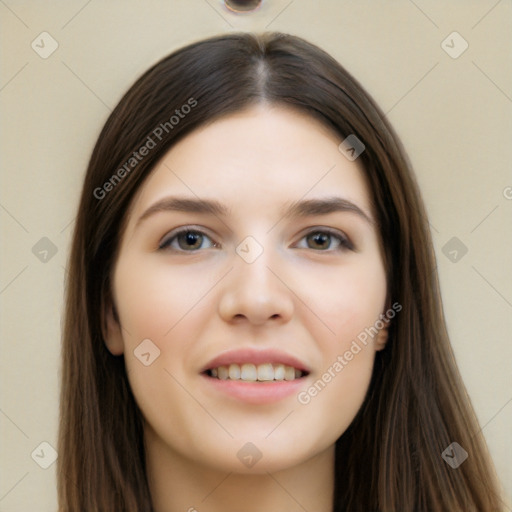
(259,456)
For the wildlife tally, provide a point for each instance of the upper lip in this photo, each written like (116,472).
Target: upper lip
(256,357)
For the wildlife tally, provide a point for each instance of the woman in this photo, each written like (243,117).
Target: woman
(253,315)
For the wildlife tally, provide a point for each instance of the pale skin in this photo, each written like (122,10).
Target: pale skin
(309,296)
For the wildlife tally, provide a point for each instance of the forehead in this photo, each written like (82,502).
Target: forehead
(260,157)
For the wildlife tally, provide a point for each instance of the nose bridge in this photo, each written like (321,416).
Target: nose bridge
(252,290)
(254,257)
(251,269)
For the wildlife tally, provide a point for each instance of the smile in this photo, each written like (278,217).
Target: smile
(249,372)
(254,375)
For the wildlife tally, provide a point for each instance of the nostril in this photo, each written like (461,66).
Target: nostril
(242,5)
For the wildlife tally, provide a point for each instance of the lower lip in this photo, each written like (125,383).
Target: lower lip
(257,393)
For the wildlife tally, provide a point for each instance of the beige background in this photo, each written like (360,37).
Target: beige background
(454,116)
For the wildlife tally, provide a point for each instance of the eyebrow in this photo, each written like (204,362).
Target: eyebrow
(312,207)
(184,204)
(300,208)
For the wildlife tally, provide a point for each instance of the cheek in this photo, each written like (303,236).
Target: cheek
(169,306)
(349,302)
(159,304)
(346,301)
(155,300)
(337,394)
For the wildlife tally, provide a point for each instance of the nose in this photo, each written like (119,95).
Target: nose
(255,294)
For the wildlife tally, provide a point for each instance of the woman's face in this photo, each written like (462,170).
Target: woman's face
(248,276)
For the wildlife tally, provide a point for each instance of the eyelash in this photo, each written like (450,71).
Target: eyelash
(165,244)
(344,242)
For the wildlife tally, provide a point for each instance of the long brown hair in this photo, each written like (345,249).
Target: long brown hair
(390,457)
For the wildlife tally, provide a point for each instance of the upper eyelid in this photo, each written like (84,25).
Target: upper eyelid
(187,227)
(327,229)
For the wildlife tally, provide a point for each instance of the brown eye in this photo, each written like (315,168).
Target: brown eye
(187,240)
(319,241)
(190,240)
(325,240)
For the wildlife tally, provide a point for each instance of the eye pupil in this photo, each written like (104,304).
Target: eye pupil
(190,240)
(320,240)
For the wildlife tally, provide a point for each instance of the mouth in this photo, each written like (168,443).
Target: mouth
(249,372)
(255,376)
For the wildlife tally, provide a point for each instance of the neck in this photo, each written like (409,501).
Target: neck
(178,484)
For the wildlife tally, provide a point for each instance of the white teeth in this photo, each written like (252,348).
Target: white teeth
(223,372)
(279,372)
(265,372)
(289,373)
(248,372)
(251,373)
(234,371)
